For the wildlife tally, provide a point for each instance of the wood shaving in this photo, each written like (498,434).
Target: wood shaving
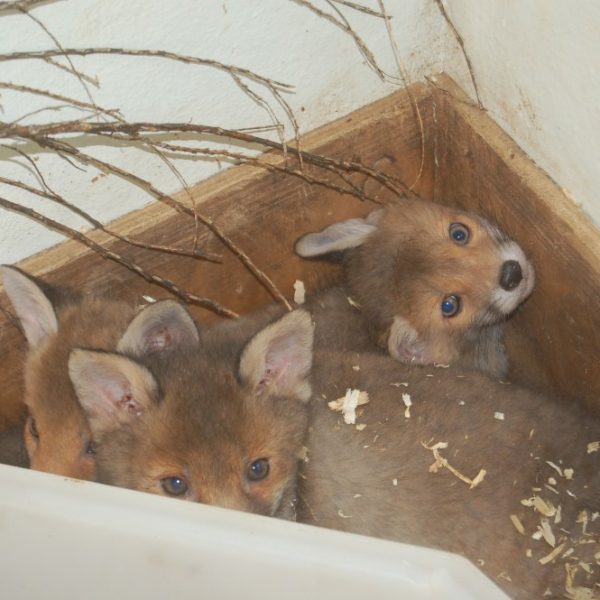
(348,403)
(593,447)
(441,365)
(568,473)
(517,523)
(299,292)
(440,462)
(357,496)
(342,515)
(544,507)
(550,557)
(528,553)
(361,426)
(399,384)
(499,416)
(395,482)
(408,403)
(353,303)
(558,515)
(582,518)
(149,299)
(551,481)
(356,367)
(547,533)
(577,592)
(555,467)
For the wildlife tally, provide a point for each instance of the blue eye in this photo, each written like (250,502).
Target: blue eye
(258,470)
(459,233)
(450,305)
(174,486)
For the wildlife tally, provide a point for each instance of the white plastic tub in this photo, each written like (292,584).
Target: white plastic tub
(66,539)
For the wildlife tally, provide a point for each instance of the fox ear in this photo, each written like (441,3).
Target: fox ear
(279,357)
(403,343)
(112,389)
(160,326)
(34,309)
(337,237)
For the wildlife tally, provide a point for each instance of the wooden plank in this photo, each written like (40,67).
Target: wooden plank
(554,340)
(263,212)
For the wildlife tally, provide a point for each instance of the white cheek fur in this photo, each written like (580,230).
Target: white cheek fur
(506,301)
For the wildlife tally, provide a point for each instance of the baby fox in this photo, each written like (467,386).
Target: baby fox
(212,422)
(57,433)
(434,283)
(399,477)
(223,421)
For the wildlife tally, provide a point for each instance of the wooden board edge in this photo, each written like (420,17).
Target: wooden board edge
(585,235)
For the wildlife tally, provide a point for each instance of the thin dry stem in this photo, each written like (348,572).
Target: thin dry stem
(110,112)
(360,8)
(461,43)
(57,199)
(65,148)
(167,284)
(133,129)
(346,28)
(415,105)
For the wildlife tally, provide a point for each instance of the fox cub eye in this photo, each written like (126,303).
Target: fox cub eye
(174,486)
(258,470)
(459,233)
(450,305)
(33,430)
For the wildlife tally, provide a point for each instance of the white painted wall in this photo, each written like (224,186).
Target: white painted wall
(279,39)
(536,63)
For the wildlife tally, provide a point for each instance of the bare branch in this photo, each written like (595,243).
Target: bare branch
(192,60)
(461,43)
(56,198)
(62,52)
(133,129)
(167,284)
(21,5)
(110,112)
(415,105)
(345,27)
(148,187)
(360,8)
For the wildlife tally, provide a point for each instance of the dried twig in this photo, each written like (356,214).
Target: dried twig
(440,461)
(63,147)
(167,284)
(345,27)
(21,5)
(75,72)
(56,198)
(110,112)
(360,8)
(136,128)
(461,43)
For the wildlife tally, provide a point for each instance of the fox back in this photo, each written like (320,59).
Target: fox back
(379,481)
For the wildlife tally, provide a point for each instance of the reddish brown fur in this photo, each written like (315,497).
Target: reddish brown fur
(207,426)
(401,263)
(64,433)
(438,510)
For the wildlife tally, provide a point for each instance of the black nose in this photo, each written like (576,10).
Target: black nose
(510,275)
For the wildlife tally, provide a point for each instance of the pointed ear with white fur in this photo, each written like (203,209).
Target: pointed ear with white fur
(112,389)
(337,237)
(161,326)
(34,309)
(278,358)
(403,342)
